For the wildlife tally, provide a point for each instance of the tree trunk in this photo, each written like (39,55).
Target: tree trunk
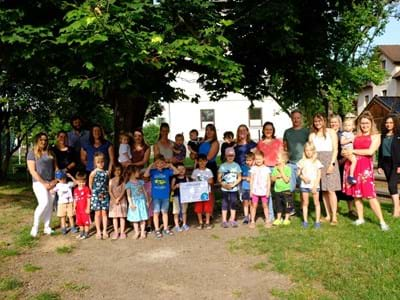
(129,113)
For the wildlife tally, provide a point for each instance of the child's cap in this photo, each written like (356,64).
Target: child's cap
(229,151)
(60,174)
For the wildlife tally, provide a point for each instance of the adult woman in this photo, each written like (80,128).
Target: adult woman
(210,147)
(326,143)
(335,123)
(41,165)
(97,143)
(365,145)
(270,146)
(164,145)
(65,155)
(140,150)
(389,160)
(244,144)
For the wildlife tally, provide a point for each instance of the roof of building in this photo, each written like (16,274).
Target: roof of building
(391,51)
(392,103)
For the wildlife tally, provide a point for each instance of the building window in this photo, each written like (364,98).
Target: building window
(366,99)
(383,64)
(384,93)
(207,116)
(255,117)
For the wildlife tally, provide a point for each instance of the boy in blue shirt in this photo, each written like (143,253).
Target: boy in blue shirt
(160,174)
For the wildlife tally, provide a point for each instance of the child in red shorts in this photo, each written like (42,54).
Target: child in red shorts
(206,207)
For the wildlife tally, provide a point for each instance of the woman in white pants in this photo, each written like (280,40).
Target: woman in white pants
(41,165)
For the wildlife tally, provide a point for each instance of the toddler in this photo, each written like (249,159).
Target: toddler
(283,201)
(179,209)
(346,141)
(194,143)
(124,152)
(118,203)
(65,205)
(228,142)
(160,174)
(260,183)
(309,171)
(229,176)
(202,173)
(82,204)
(179,149)
(138,201)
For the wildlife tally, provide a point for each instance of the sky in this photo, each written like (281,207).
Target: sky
(391,35)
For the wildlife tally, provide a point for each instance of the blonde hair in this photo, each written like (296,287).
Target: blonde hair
(313,149)
(283,156)
(39,151)
(367,115)
(124,135)
(259,153)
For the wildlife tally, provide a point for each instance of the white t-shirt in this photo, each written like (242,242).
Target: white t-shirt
(64,192)
(202,175)
(348,135)
(124,153)
(260,176)
(309,169)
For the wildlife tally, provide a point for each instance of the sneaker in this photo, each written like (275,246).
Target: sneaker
(351,180)
(64,231)
(34,231)
(224,225)
(246,220)
(359,222)
(286,222)
(293,212)
(384,226)
(48,231)
(167,232)
(74,229)
(304,224)
(185,227)
(317,225)
(84,236)
(209,226)
(234,224)
(177,229)
(277,222)
(79,236)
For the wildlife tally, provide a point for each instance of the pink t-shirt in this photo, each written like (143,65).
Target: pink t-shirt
(270,150)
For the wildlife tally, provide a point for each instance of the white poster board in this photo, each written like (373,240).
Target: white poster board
(194,191)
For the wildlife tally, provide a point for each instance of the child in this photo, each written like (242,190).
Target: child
(259,188)
(309,171)
(346,141)
(179,209)
(138,201)
(228,142)
(283,201)
(194,143)
(100,202)
(229,176)
(82,205)
(204,174)
(124,152)
(118,203)
(65,206)
(160,174)
(245,190)
(179,149)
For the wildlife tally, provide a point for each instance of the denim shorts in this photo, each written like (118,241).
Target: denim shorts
(160,205)
(245,195)
(307,190)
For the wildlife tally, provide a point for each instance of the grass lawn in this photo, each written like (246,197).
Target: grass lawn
(345,262)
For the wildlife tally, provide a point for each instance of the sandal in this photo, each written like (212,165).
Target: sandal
(200,226)
(105,235)
(158,234)
(167,232)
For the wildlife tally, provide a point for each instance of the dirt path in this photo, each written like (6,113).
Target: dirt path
(190,265)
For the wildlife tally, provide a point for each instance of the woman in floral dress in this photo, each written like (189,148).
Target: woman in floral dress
(365,145)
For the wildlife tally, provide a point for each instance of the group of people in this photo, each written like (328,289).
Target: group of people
(82,172)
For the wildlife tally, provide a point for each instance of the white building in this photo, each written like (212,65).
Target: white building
(226,114)
(390,60)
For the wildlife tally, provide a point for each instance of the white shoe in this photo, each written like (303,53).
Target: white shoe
(48,230)
(359,222)
(34,231)
(384,227)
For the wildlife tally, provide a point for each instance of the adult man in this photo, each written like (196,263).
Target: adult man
(77,137)
(294,139)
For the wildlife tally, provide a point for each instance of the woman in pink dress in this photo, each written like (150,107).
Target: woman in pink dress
(365,145)
(270,146)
